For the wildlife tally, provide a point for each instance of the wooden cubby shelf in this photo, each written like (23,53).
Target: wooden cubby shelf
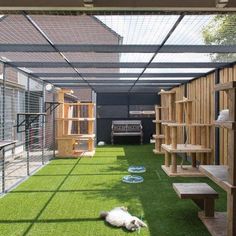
(75,128)
(164,114)
(196,150)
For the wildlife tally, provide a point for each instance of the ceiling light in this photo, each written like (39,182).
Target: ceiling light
(49,87)
(5,59)
(221,3)
(88,3)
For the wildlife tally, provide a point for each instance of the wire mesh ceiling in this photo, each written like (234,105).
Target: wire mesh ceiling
(121,53)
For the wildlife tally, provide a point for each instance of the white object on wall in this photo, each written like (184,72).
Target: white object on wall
(224,115)
(101,143)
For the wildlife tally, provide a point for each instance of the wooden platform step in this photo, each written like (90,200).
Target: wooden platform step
(216,225)
(194,190)
(185,148)
(186,171)
(202,194)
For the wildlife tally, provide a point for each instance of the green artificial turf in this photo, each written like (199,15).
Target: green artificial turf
(66,196)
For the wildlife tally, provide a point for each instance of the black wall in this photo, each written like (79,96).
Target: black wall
(116,106)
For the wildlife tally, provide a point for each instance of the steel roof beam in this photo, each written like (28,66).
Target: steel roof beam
(119,81)
(116,75)
(38,64)
(118,48)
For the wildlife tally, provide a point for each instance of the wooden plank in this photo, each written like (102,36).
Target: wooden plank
(225,86)
(188,148)
(194,191)
(184,171)
(219,175)
(217,225)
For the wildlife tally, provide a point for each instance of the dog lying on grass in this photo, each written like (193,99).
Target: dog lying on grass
(120,217)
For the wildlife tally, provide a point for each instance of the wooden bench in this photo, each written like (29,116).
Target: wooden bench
(126,128)
(201,193)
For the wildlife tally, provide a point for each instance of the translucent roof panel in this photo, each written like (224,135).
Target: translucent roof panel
(31,56)
(16,29)
(52,70)
(193,28)
(190,57)
(131,70)
(140,29)
(135,57)
(178,70)
(92,57)
(95,41)
(190,29)
(80,29)
(166,78)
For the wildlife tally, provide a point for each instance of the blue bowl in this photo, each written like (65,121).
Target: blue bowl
(136,169)
(132,179)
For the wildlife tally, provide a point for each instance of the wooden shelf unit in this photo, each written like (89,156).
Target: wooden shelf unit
(164,114)
(172,147)
(75,128)
(225,176)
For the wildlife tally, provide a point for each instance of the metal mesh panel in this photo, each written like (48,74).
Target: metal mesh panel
(34,144)
(35,132)
(49,136)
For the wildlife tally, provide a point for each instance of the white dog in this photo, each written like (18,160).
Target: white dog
(120,217)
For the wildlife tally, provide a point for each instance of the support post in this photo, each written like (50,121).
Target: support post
(27,127)
(167,159)
(231,214)
(174,137)
(54,129)
(173,163)
(3,126)
(43,123)
(217,130)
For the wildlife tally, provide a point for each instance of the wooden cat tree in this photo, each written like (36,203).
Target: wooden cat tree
(75,128)
(164,114)
(225,176)
(173,146)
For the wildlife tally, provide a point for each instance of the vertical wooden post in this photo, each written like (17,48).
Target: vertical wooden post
(209,207)
(180,113)
(90,114)
(194,160)
(189,112)
(167,135)
(167,159)
(232,138)
(173,163)
(171,106)
(174,137)
(231,214)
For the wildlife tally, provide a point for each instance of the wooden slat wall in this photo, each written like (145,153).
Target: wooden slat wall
(226,75)
(201,91)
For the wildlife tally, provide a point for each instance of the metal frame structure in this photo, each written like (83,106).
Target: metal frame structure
(96,75)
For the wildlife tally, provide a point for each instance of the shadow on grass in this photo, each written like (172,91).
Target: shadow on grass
(154,200)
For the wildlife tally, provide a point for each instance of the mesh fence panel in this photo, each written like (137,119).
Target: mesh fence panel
(33,132)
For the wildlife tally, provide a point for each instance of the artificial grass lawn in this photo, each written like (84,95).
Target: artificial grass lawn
(66,196)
